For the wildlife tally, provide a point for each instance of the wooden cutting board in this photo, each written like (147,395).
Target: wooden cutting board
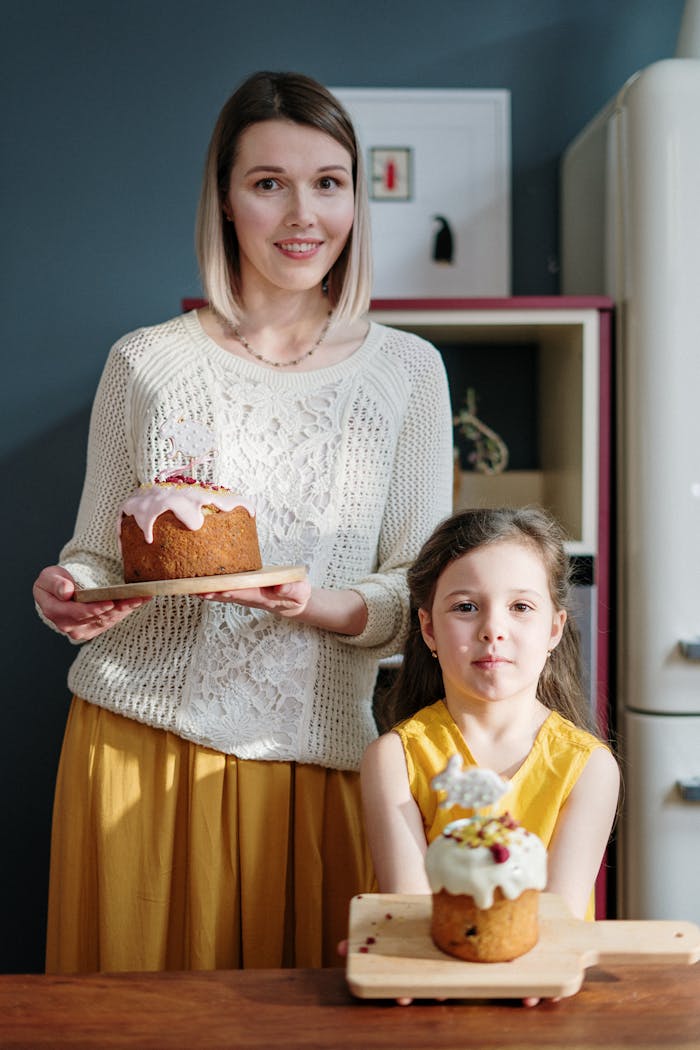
(391,953)
(267,576)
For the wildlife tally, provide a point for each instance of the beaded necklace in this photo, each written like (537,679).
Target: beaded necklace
(236,332)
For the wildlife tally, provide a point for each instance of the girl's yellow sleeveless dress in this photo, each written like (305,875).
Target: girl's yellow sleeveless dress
(537,791)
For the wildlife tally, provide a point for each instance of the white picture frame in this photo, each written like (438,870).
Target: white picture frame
(451,155)
(390,173)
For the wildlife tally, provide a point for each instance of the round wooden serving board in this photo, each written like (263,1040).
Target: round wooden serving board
(391,953)
(268,576)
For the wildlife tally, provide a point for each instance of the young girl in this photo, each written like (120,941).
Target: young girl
(207,809)
(491,673)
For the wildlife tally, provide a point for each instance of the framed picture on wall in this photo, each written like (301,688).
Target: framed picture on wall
(438,169)
(389,173)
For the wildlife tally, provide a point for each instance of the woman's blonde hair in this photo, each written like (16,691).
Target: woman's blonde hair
(279,96)
(419,681)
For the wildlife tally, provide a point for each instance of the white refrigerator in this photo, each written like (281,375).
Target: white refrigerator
(630,193)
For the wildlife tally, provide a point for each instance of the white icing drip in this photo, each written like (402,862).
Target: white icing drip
(185,501)
(473,870)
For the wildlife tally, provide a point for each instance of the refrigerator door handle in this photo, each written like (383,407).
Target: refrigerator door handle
(690,648)
(689,788)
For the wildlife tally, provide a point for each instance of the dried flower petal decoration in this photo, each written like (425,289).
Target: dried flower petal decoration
(472,788)
(490,455)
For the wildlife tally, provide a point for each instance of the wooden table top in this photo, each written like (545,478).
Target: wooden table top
(617,1007)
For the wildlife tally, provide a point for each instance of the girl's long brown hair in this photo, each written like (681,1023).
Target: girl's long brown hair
(419,681)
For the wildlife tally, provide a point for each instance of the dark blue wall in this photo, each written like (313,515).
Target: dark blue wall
(107,110)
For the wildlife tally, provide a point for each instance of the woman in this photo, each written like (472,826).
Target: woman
(207,807)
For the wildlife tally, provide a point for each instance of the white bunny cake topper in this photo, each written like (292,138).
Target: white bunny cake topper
(471,788)
(189,440)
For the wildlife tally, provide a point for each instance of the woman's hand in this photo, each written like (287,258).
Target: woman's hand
(284,599)
(341,611)
(80,621)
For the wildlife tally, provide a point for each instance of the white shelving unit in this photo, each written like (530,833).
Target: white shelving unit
(568,339)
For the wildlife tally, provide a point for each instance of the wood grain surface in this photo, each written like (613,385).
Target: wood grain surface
(618,1008)
(391,952)
(267,576)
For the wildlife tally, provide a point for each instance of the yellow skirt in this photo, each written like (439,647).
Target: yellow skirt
(166,855)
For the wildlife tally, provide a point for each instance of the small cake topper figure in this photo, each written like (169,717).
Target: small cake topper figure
(189,439)
(472,788)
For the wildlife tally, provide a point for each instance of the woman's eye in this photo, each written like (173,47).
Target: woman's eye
(266,184)
(327,182)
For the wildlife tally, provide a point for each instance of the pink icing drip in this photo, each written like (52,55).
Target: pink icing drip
(185,501)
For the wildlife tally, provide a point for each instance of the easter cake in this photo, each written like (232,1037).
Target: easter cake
(181,528)
(485,873)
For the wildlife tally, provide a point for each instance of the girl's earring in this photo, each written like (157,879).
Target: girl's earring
(549,653)
(433,653)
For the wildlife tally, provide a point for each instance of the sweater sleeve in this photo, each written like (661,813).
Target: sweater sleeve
(419,496)
(92,555)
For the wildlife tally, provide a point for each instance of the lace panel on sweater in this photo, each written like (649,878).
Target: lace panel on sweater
(249,678)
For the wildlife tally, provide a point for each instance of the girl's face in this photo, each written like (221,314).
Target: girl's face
(292,202)
(492,623)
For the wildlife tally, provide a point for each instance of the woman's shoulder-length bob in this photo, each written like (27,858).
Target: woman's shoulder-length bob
(279,96)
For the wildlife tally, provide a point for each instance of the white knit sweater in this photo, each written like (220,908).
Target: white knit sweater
(349,467)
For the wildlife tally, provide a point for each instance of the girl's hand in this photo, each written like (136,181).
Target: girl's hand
(80,621)
(283,599)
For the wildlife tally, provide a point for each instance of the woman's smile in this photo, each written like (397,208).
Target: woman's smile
(299,248)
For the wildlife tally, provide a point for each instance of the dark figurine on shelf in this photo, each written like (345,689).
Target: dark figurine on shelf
(443,245)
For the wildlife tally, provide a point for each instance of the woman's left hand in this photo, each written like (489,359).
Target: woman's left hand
(342,611)
(283,599)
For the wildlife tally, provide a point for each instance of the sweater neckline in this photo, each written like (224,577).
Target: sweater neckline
(302,380)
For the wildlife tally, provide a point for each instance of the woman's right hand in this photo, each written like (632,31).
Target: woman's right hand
(80,621)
